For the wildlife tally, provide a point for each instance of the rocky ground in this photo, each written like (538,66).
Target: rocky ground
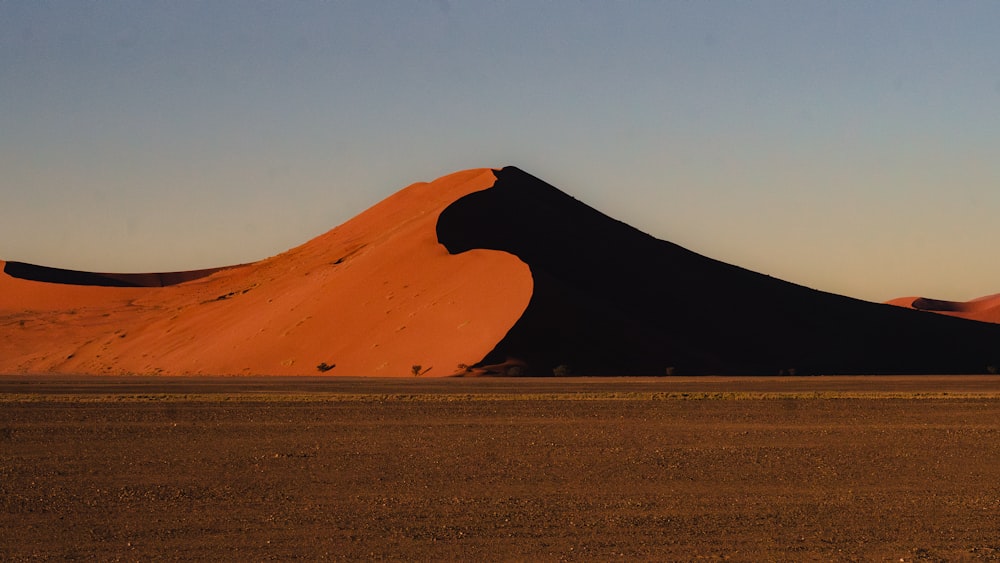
(574,470)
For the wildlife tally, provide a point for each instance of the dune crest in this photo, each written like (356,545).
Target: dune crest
(375,296)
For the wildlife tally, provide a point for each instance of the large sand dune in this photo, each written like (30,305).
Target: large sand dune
(493,269)
(376,296)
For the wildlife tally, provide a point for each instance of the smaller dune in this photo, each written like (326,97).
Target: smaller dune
(32,272)
(985,309)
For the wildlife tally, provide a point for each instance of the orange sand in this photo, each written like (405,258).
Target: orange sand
(986,309)
(375,296)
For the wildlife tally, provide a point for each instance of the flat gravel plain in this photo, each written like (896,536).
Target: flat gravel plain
(746,469)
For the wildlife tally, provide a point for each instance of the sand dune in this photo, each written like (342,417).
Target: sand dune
(493,269)
(985,309)
(46,274)
(609,299)
(376,296)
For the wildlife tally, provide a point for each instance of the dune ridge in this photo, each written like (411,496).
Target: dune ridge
(32,272)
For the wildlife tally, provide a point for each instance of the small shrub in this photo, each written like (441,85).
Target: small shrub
(415,369)
(562,370)
(514,371)
(671,370)
(992,369)
(325,367)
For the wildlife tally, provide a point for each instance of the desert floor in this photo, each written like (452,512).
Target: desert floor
(830,468)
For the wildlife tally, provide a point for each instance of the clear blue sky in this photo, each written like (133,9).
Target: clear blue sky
(849,146)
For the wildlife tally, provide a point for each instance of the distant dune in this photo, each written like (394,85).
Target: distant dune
(479,272)
(985,309)
(72,277)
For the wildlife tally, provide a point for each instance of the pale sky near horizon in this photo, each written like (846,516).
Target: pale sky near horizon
(847,146)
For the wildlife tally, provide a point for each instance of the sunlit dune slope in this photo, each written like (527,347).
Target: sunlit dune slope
(986,309)
(376,296)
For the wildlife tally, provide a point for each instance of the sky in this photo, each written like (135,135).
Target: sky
(847,146)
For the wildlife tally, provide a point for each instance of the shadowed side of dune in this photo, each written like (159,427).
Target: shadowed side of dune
(45,274)
(609,299)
